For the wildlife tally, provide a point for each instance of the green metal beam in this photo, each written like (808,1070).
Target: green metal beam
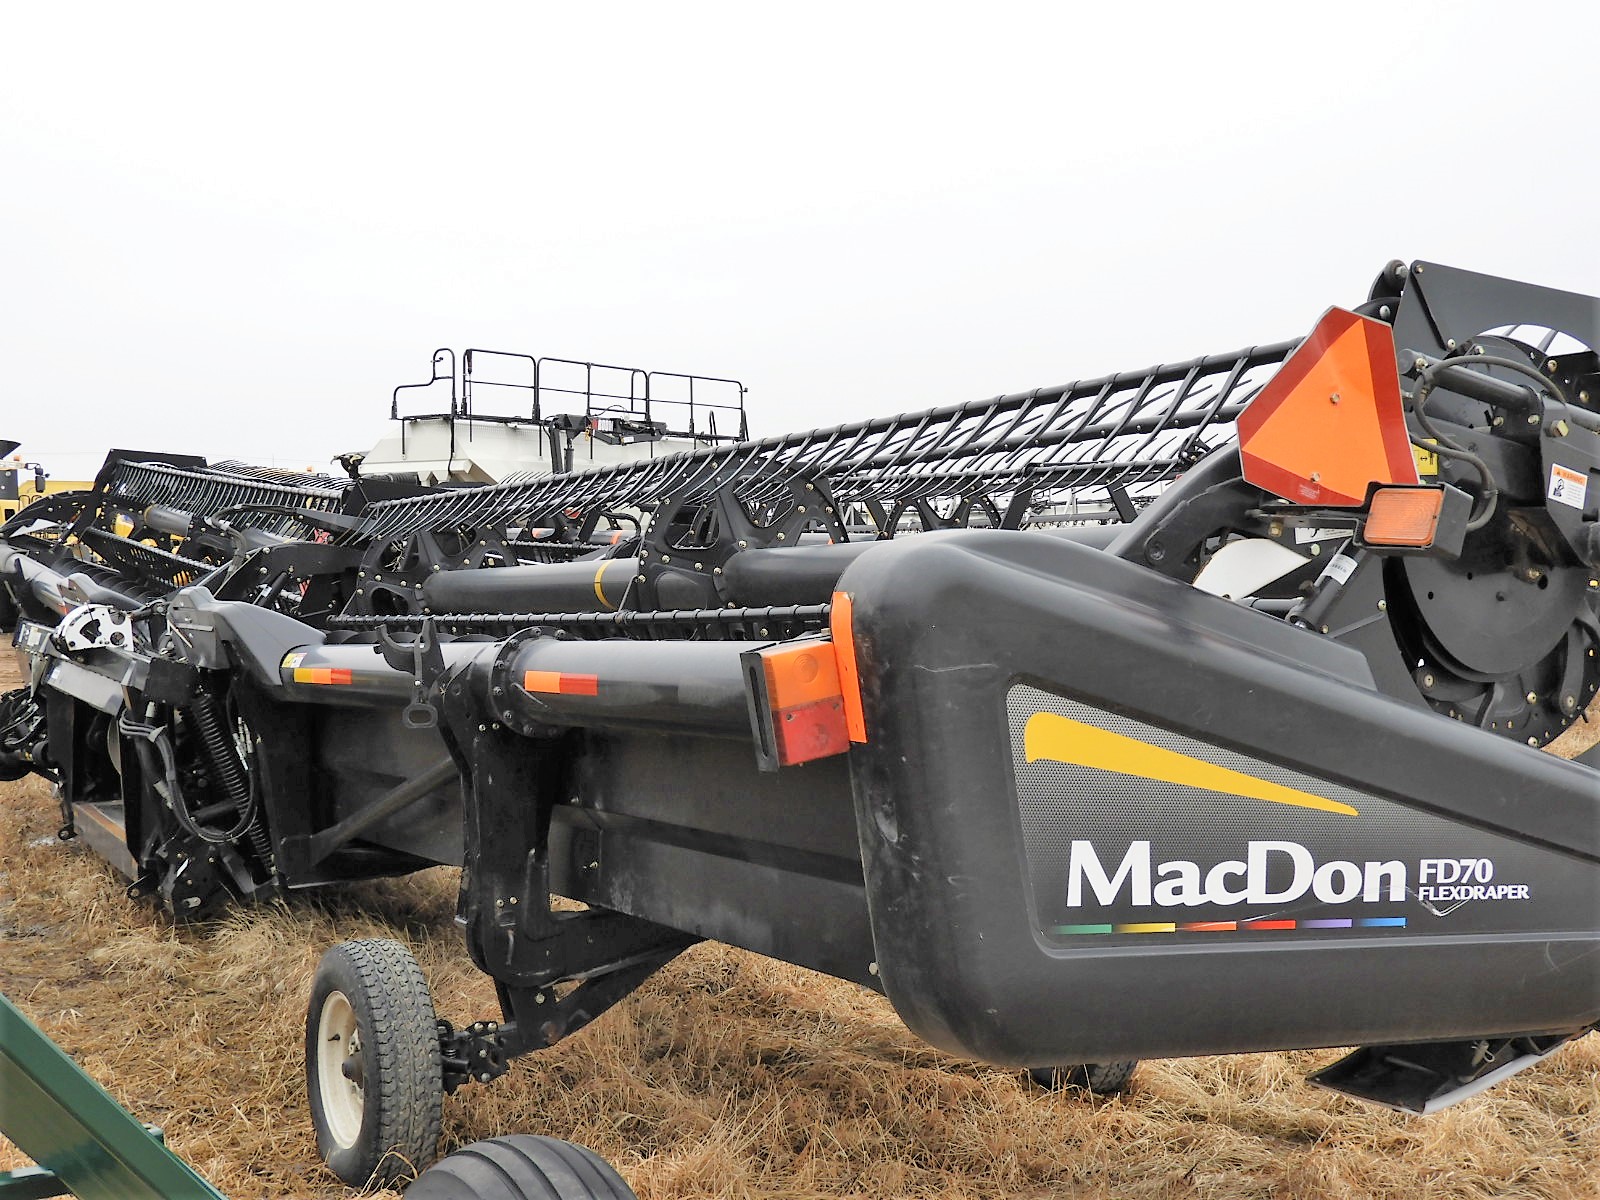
(30,1183)
(63,1120)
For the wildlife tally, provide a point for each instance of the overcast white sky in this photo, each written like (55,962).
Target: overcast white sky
(231,231)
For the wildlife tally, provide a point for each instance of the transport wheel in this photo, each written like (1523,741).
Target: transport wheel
(372,1063)
(1100,1079)
(521,1167)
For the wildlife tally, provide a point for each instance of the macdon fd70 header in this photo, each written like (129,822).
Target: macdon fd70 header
(1236,704)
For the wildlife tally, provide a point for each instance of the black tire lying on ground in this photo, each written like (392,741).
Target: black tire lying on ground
(521,1167)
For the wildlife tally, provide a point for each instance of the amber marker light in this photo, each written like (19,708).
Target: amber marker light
(1403,516)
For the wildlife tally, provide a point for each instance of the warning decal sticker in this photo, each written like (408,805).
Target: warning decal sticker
(1567,486)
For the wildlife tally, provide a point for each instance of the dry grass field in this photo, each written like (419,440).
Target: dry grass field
(727,1076)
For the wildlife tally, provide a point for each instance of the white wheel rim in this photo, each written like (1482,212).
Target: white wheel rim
(338,1039)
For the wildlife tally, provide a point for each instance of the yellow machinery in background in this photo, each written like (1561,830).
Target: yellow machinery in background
(21,483)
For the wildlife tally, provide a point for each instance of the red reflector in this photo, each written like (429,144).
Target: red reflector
(1403,517)
(1331,421)
(815,730)
(560,683)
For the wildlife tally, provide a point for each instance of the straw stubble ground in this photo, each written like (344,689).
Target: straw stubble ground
(728,1075)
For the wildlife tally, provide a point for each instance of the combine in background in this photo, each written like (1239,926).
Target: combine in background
(487,415)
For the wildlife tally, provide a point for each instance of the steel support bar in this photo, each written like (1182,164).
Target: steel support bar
(381,809)
(59,1117)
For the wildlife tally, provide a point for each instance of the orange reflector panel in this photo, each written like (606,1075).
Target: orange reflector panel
(560,683)
(844,653)
(1330,422)
(801,674)
(322,675)
(799,712)
(1403,516)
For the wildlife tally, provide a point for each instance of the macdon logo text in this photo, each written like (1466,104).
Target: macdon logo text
(1288,864)
(1271,872)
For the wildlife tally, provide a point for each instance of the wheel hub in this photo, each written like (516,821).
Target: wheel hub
(339,1069)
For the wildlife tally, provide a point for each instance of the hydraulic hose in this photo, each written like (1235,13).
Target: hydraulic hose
(1499,393)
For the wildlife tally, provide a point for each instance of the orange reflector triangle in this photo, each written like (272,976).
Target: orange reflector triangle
(1331,421)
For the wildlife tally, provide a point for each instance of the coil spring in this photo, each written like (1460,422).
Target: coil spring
(224,755)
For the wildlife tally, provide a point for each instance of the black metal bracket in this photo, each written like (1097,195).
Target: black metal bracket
(422,657)
(745,505)
(555,970)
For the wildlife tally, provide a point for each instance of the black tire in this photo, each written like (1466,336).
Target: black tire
(1100,1079)
(521,1167)
(377,1118)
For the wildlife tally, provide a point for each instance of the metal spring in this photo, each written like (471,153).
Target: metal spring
(224,755)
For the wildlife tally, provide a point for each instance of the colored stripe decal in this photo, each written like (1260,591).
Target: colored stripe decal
(560,683)
(1061,739)
(1264,925)
(323,675)
(599,586)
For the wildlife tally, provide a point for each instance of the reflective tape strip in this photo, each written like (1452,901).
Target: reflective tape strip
(561,683)
(323,675)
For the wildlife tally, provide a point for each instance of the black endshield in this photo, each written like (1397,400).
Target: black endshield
(1105,816)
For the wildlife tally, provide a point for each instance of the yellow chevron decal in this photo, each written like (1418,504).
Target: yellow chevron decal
(1061,739)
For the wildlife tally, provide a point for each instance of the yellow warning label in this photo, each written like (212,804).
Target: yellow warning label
(1427,460)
